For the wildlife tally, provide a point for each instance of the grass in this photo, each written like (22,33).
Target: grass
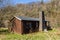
(50,35)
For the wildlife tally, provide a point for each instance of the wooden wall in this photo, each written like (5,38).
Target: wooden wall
(17,26)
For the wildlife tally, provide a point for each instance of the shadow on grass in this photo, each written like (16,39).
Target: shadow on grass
(4,31)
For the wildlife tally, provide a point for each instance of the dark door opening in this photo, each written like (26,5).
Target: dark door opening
(27,27)
(30,26)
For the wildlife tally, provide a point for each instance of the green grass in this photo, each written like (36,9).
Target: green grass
(50,35)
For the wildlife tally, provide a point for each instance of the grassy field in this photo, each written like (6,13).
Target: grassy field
(50,35)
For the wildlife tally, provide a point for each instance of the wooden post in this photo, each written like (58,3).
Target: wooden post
(41,20)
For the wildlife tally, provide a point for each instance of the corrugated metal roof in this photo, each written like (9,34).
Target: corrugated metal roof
(27,18)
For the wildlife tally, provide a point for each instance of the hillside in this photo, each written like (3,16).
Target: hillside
(52,12)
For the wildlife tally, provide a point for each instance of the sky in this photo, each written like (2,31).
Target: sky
(25,1)
(14,2)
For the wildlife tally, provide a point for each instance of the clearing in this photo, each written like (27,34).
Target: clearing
(50,35)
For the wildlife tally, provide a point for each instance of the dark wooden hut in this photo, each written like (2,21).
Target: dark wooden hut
(23,25)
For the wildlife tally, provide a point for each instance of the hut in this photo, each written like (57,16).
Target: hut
(23,25)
